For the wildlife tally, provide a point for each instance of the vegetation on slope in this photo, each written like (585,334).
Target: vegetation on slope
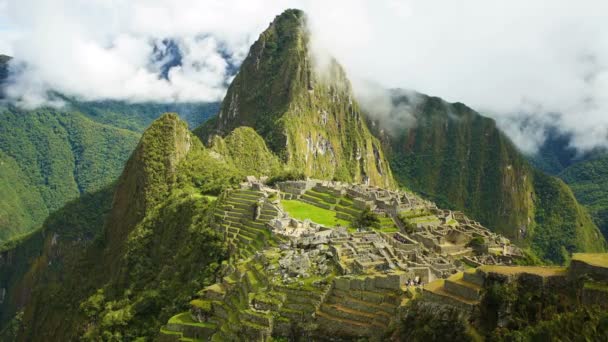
(21,206)
(461,160)
(589,182)
(585,172)
(247,151)
(562,225)
(53,157)
(157,250)
(307,117)
(50,156)
(45,254)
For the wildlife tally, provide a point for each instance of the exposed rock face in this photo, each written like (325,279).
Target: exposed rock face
(308,118)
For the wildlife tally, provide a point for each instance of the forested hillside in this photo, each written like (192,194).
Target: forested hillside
(50,156)
(462,160)
(585,172)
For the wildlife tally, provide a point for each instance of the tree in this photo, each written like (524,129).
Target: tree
(366,220)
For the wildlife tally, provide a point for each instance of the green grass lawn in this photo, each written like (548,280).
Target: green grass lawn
(302,211)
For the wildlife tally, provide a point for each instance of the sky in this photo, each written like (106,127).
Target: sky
(537,62)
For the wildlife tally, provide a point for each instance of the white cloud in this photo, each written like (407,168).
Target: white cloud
(502,58)
(96,49)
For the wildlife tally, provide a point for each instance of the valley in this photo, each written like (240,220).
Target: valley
(293,214)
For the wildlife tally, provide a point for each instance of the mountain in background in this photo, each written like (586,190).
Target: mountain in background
(586,173)
(116,263)
(49,156)
(462,160)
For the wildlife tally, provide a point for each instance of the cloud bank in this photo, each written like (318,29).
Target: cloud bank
(97,49)
(528,64)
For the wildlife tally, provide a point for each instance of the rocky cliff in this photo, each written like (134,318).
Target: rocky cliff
(305,112)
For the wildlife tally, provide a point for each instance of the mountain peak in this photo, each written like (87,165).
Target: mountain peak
(307,117)
(149,174)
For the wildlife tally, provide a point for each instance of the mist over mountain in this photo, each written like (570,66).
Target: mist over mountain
(318,200)
(538,59)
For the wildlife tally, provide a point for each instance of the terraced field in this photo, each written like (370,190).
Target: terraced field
(326,208)
(357,312)
(302,211)
(236,217)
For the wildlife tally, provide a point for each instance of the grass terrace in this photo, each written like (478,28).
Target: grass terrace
(544,271)
(302,211)
(595,259)
(185,318)
(387,225)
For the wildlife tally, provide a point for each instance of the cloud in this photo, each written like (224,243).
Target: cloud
(514,60)
(96,49)
(518,61)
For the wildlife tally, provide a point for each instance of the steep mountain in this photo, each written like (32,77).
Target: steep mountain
(122,262)
(462,160)
(50,156)
(156,249)
(588,179)
(304,111)
(585,172)
(53,156)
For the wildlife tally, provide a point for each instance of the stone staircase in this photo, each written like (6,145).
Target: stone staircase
(462,289)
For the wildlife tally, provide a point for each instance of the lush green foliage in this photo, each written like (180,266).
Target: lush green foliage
(138,116)
(157,251)
(51,157)
(303,211)
(170,255)
(428,322)
(589,182)
(244,148)
(307,118)
(47,252)
(537,314)
(461,160)
(22,206)
(367,219)
(562,226)
(586,173)
(285,175)
(582,323)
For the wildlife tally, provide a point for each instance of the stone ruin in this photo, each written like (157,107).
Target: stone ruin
(286,274)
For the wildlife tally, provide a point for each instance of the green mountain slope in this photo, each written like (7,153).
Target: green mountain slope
(306,115)
(589,182)
(157,247)
(53,155)
(22,205)
(461,159)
